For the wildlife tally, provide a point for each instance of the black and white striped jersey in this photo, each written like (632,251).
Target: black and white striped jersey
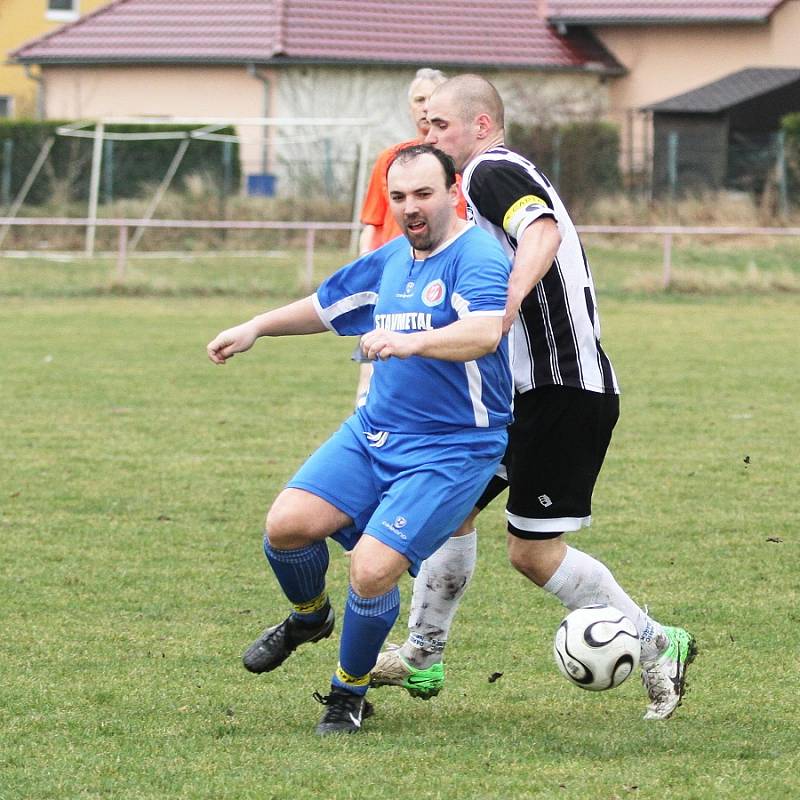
(556,337)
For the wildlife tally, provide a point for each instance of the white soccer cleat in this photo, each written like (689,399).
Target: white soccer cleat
(392,670)
(665,677)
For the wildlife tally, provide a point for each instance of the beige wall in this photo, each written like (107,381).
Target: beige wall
(75,93)
(302,158)
(663,61)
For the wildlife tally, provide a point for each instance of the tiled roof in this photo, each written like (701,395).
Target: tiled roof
(729,91)
(470,33)
(650,12)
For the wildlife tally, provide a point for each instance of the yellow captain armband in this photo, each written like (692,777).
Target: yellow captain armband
(518,212)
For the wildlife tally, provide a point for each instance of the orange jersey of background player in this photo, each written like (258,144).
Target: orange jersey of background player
(376,210)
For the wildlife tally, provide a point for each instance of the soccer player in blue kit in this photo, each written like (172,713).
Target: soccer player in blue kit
(403,472)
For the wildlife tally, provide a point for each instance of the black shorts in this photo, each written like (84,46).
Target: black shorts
(556,446)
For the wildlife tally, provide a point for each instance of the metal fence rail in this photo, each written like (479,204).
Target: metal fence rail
(668,232)
(124,225)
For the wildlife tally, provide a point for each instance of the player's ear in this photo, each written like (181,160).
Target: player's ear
(453,194)
(483,125)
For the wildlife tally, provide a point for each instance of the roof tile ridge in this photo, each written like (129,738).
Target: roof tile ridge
(68,26)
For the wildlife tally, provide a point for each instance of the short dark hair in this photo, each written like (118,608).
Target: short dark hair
(413,151)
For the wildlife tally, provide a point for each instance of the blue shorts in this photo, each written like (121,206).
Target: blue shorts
(410,491)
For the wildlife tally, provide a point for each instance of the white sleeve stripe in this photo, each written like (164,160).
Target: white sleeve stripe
(500,312)
(459,304)
(344,306)
(320,312)
(475,384)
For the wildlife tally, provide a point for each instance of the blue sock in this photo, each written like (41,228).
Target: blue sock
(301,574)
(367,622)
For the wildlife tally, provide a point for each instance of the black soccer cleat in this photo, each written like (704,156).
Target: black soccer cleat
(344,712)
(277,643)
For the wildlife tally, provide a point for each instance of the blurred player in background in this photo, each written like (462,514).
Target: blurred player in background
(404,470)
(376,212)
(565,409)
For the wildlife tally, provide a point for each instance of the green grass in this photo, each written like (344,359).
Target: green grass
(134,477)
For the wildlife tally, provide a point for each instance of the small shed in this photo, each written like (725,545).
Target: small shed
(723,134)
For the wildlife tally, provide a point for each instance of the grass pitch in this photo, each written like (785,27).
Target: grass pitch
(134,480)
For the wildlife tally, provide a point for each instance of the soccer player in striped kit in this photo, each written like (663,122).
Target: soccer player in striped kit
(566,406)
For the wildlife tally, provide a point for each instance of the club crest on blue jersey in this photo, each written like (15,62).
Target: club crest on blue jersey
(433,293)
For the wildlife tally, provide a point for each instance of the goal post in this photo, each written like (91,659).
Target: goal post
(350,129)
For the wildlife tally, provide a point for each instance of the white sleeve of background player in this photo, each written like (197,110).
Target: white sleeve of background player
(525,211)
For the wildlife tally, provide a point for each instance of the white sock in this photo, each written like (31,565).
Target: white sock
(438,588)
(581,580)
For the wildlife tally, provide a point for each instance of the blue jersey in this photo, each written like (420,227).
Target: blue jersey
(388,288)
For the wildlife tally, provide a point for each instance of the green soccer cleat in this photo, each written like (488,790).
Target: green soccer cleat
(392,670)
(665,677)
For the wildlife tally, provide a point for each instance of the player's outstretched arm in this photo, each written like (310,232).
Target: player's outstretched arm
(536,252)
(290,320)
(464,340)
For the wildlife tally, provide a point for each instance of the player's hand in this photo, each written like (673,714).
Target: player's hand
(234,340)
(381,344)
(512,309)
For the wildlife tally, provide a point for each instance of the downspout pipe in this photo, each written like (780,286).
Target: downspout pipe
(40,92)
(266,111)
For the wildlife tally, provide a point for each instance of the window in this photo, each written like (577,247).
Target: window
(5,106)
(62,10)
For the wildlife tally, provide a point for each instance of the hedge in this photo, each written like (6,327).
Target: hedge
(790,125)
(580,158)
(133,168)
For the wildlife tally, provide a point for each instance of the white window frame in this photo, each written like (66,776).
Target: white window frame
(9,106)
(60,15)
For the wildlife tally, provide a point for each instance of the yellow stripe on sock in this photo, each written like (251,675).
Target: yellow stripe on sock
(310,606)
(351,680)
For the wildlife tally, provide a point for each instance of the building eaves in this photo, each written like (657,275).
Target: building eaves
(563,13)
(727,92)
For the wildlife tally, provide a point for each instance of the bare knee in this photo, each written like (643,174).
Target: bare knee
(375,568)
(369,580)
(285,527)
(297,518)
(536,559)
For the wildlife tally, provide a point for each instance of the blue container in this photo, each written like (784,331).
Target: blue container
(261,184)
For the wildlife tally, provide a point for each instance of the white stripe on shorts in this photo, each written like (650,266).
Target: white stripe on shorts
(558,525)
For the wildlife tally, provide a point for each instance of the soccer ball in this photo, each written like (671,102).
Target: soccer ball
(596,647)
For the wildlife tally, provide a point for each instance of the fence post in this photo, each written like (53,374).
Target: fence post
(5,181)
(557,158)
(672,166)
(108,170)
(308,279)
(780,169)
(122,253)
(667,275)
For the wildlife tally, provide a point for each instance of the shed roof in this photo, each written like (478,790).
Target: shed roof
(665,12)
(728,92)
(471,33)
